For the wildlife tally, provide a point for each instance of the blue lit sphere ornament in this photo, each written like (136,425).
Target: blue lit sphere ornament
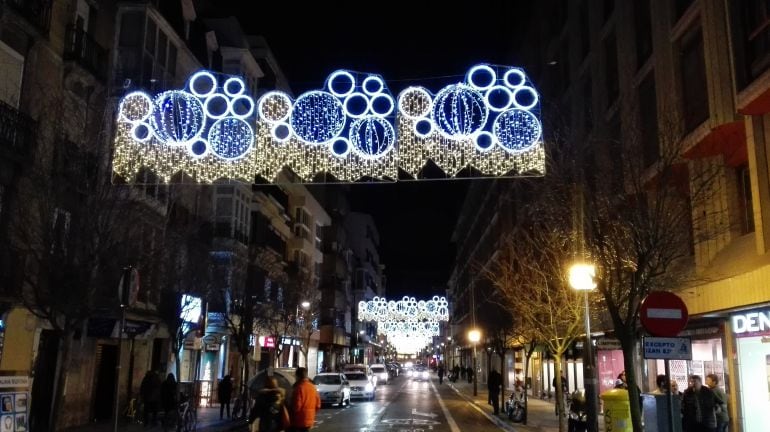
(317,117)
(372,137)
(177,117)
(517,130)
(459,111)
(231,138)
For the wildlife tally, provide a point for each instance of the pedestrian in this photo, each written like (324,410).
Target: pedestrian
(723,417)
(494,382)
(661,385)
(168,399)
(455,373)
(621,383)
(441,373)
(149,391)
(469,373)
(699,406)
(304,403)
(269,408)
(224,393)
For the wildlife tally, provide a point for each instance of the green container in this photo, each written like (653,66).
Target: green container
(617,411)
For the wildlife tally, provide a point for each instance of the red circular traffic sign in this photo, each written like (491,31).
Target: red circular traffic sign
(663,314)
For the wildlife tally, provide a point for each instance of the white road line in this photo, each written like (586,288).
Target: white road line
(449,419)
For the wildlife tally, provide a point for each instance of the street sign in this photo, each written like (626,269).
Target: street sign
(663,314)
(608,344)
(667,348)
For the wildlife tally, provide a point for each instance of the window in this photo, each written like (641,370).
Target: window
(611,69)
(752,41)
(60,231)
(11,69)
(648,119)
(695,103)
(643,28)
(268,289)
(745,207)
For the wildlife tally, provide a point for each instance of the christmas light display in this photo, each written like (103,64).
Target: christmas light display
(409,324)
(351,129)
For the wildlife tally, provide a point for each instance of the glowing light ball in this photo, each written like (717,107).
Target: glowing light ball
(177,117)
(317,117)
(459,111)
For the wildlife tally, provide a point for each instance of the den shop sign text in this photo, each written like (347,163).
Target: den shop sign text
(751,323)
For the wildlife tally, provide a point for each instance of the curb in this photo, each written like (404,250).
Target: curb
(497,421)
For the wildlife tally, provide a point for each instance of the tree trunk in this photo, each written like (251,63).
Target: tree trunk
(561,406)
(528,356)
(628,343)
(60,379)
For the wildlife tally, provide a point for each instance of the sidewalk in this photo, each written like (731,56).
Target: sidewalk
(540,413)
(208,420)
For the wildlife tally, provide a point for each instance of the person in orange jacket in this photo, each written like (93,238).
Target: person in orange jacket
(304,403)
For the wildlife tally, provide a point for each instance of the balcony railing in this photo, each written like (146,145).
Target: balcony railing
(37,12)
(17,132)
(83,48)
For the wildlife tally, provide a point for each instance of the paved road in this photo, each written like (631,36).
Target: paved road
(406,405)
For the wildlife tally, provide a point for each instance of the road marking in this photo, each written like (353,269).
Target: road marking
(384,407)
(431,415)
(449,419)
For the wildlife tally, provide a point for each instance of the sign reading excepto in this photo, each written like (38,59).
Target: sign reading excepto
(667,348)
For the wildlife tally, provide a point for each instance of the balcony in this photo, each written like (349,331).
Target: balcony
(17,133)
(37,12)
(81,47)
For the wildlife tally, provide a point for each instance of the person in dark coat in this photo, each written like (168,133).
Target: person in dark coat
(441,374)
(149,390)
(494,382)
(268,407)
(455,373)
(699,406)
(168,397)
(224,393)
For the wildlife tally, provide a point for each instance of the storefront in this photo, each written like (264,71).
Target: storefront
(752,335)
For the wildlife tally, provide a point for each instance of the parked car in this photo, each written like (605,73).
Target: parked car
(361,368)
(361,385)
(381,372)
(333,388)
(420,373)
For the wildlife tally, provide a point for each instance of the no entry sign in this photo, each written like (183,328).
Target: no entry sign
(663,314)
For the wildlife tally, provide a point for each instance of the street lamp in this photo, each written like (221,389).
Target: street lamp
(474,336)
(581,278)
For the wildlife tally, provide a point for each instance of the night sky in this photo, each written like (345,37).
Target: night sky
(413,42)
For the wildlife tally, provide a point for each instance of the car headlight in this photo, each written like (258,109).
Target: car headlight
(369,387)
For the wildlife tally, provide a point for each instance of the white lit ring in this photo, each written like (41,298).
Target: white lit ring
(349,98)
(519,73)
(129,99)
(137,125)
(211,98)
(330,81)
(195,78)
(531,91)
(415,96)
(491,142)
(275,97)
(478,68)
(241,84)
(196,155)
(347,150)
(370,79)
(426,134)
(276,137)
(391,105)
(248,100)
(489,103)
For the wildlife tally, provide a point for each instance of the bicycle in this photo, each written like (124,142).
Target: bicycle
(132,412)
(186,418)
(240,405)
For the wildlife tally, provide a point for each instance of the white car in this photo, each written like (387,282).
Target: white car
(361,386)
(333,388)
(381,372)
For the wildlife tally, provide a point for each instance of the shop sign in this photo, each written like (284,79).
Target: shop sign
(18,381)
(210,339)
(267,341)
(667,348)
(751,323)
(212,347)
(608,344)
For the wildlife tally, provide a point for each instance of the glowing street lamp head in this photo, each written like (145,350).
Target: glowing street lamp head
(474,335)
(305,304)
(581,276)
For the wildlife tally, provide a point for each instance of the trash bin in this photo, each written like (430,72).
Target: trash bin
(617,411)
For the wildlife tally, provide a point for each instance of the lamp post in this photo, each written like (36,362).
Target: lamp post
(474,336)
(581,278)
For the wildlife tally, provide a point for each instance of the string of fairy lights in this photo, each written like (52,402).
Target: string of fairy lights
(352,129)
(408,324)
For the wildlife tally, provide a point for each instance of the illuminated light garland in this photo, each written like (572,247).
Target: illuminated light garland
(353,129)
(407,309)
